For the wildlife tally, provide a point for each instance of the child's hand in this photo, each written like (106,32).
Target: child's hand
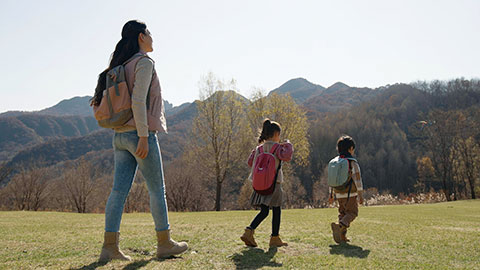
(360,197)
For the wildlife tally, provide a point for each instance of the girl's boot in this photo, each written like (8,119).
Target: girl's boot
(247,237)
(275,241)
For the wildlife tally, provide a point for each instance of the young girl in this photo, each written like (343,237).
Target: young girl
(136,143)
(270,136)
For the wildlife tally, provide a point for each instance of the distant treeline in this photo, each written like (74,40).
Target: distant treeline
(410,139)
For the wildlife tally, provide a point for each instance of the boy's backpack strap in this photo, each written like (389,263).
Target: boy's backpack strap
(350,169)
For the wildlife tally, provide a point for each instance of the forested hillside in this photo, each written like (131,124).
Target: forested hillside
(25,130)
(409,140)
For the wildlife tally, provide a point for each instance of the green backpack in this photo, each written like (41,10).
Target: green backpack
(340,173)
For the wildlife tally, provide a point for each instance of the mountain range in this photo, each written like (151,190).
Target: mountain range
(24,135)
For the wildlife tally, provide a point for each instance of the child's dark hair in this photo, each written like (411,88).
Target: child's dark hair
(268,130)
(344,143)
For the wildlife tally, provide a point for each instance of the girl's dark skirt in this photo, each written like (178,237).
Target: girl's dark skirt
(273,200)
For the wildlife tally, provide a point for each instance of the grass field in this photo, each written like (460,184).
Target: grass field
(433,236)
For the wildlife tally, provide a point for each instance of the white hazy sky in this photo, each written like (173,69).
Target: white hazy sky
(53,50)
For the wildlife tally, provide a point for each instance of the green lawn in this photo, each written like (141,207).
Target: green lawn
(433,236)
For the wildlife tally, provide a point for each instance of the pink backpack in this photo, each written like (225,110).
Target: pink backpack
(115,108)
(264,172)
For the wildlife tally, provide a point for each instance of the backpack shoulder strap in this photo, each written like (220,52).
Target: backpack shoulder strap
(350,169)
(140,56)
(274,148)
(133,57)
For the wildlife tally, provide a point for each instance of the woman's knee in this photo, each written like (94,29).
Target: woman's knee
(156,187)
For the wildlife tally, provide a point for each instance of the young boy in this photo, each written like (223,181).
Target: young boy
(348,207)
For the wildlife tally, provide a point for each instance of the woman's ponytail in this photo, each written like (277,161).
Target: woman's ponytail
(125,48)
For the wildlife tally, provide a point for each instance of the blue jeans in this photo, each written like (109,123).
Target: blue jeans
(126,164)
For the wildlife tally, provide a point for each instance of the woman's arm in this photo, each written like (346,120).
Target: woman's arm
(143,77)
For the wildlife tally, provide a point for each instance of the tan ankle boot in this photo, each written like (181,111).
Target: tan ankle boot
(337,235)
(275,241)
(167,247)
(110,249)
(248,239)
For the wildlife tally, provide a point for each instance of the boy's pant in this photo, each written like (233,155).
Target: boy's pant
(347,211)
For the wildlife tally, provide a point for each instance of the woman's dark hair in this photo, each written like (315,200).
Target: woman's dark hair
(344,143)
(126,48)
(268,130)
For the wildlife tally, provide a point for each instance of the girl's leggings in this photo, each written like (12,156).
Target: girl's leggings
(263,214)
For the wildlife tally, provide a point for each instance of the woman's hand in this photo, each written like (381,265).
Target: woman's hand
(142,147)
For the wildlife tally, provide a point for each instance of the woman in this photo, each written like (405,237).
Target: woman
(136,144)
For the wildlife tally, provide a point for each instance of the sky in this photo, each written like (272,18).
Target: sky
(54,50)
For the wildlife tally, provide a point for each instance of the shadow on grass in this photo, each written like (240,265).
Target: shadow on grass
(255,258)
(91,266)
(132,265)
(136,264)
(348,250)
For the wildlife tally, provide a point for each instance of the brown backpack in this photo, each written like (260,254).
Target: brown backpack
(115,108)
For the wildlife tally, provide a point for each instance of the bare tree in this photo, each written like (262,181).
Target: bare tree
(138,199)
(426,174)
(185,191)
(466,162)
(28,188)
(4,172)
(449,138)
(79,183)
(441,131)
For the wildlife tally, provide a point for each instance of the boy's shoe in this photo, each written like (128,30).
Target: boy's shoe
(337,234)
(248,239)
(275,241)
(343,231)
